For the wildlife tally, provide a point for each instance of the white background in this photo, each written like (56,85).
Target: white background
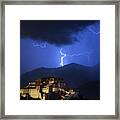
(104,13)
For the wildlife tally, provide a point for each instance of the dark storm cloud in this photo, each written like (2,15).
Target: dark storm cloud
(55,32)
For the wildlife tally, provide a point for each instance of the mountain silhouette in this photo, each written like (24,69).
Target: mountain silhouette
(75,75)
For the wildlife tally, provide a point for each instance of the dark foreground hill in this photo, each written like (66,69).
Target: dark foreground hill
(75,75)
(90,90)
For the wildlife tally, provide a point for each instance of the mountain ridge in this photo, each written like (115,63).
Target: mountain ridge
(73,74)
(71,64)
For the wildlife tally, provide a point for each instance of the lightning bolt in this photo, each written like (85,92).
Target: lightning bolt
(85,54)
(93,31)
(63,55)
(41,45)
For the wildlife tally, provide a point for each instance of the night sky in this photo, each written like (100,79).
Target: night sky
(55,43)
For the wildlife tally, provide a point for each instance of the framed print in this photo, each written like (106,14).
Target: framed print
(60,60)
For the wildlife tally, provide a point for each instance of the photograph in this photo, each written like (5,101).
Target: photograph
(59,59)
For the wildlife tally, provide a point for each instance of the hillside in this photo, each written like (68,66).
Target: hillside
(74,75)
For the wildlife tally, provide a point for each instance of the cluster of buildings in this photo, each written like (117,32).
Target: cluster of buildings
(46,89)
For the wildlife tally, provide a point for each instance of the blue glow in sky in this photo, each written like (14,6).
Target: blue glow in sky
(85,49)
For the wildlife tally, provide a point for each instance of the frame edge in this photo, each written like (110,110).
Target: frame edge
(2,54)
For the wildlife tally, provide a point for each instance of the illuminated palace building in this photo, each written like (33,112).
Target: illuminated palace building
(50,88)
